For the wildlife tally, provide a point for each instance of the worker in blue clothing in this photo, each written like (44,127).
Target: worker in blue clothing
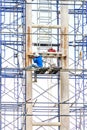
(38,62)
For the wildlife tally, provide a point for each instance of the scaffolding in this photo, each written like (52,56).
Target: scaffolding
(57,101)
(12,79)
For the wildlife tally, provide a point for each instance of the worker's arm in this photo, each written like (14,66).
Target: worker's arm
(35,60)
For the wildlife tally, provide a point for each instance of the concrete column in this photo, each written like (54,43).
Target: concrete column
(28,62)
(64,76)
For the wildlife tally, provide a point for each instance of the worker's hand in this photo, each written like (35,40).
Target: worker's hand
(33,56)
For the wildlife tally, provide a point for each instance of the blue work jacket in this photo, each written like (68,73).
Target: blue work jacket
(38,60)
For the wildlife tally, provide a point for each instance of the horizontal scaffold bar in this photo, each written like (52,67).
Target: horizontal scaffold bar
(45,26)
(46,123)
(72,0)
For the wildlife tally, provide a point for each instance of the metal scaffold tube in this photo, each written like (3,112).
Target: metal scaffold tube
(0,67)
(12,79)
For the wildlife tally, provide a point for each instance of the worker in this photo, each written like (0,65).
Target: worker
(38,62)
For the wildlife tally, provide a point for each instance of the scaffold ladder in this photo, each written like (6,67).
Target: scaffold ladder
(44,17)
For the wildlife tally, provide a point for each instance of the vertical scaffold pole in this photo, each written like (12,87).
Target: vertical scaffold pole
(28,62)
(64,76)
(0,63)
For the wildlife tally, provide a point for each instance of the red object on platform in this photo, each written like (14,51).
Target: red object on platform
(51,50)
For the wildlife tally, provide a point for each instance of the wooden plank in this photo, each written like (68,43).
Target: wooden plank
(46,123)
(48,54)
(46,26)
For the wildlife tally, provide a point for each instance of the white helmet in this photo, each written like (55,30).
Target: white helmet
(36,54)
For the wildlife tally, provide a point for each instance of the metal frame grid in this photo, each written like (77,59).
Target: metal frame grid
(77,66)
(45,97)
(12,79)
(77,54)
